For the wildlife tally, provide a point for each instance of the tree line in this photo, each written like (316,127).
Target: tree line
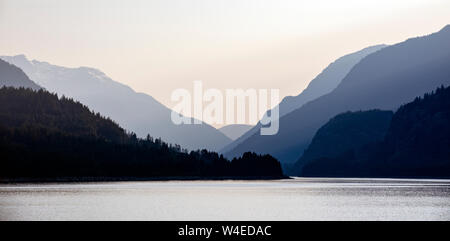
(43,136)
(416,144)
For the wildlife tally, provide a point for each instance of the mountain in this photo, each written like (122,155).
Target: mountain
(44,137)
(22,108)
(235,131)
(384,80)
(324,83)
(346,132)
(134,111)
(417,144)
(11,76)
(327,80)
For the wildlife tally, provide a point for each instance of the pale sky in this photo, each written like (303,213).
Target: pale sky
(161,45)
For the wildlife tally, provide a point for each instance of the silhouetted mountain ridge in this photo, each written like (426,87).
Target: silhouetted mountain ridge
(11,76)
(344,132)
(24,109)
(327,80)
(384,79)
(417,144)
(136,112)
(44,137)
(322,84)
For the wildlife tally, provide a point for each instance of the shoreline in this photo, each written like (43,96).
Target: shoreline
(190,178)
(132,179)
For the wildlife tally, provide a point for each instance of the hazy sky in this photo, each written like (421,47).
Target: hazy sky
(160,45)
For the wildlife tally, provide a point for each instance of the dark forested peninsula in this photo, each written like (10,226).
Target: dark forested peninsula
(43,137)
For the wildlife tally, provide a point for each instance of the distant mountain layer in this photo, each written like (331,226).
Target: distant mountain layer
(327,80)
(235,131)
(323,84)
(47,138)
(417,144)
(12,76)
(385,79)
(136,112)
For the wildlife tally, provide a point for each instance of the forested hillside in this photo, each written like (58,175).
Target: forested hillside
(136,112)
(43,137)
(345,132)
(417,144)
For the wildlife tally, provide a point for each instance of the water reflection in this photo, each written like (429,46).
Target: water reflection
(295,199)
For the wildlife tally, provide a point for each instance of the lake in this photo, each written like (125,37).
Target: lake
(293,199)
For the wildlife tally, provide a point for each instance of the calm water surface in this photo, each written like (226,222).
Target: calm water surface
(295,199)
